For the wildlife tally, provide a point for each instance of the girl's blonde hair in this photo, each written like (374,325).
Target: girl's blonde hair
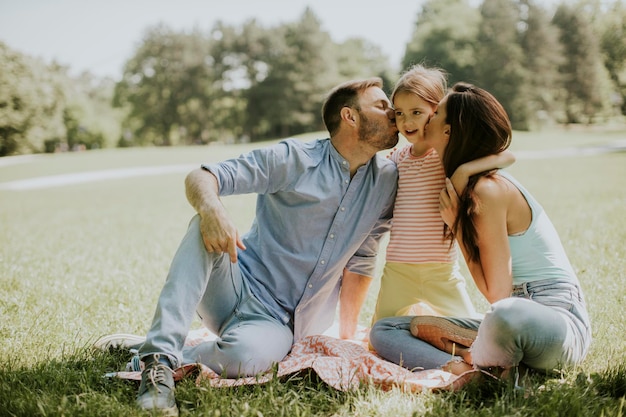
(430,84)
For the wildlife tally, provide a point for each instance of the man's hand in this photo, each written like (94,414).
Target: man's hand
(218,232)
(448,204)
(220,235)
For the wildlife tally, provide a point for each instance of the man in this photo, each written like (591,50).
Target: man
(321,211)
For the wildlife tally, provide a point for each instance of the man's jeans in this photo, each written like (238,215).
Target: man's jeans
(250,339)
(544,325)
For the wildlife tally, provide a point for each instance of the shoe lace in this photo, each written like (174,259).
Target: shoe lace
(156,374)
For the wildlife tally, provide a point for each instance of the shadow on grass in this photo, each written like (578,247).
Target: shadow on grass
(582,395)
(76,386)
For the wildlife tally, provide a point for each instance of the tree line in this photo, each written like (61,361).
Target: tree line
(250,82)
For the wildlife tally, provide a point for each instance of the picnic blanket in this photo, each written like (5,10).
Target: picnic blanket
(342,364)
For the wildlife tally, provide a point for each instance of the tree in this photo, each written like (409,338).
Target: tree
(543,54)
(288,100)
(17,101)
(500,59)
(438,40)
(359,58)
(581,92)
(31,103)
(167,88)
(613,47)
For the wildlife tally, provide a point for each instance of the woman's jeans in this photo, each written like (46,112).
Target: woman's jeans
(250,339)
(543,325)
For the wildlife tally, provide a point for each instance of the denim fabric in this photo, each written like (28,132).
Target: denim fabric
(250,338)
(391,338)
(544,325)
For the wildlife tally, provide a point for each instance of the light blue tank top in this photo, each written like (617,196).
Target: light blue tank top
(537,253)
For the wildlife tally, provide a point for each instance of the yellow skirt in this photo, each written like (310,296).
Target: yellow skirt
(436,289)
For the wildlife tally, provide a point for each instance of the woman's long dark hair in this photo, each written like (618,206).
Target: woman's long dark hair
(479,126)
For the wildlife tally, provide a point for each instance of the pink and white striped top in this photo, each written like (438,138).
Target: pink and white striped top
(417,229)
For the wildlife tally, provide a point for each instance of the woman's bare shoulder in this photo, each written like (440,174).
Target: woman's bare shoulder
(491,186)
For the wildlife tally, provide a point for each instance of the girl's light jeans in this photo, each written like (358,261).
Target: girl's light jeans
(250,339)
(543,325)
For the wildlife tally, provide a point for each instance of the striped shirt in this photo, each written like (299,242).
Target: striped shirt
(417,228)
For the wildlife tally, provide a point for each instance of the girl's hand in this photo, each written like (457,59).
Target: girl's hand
(448,204)
(459,179)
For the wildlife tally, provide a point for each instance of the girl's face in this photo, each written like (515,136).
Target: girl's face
(412,114)
(437,132)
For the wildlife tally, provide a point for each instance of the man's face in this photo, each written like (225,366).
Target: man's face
(377,125)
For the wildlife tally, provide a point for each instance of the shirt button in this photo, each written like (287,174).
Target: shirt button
(332,235)
(343,209)
(347,181)
(345,162)
(323,262)
(310,285)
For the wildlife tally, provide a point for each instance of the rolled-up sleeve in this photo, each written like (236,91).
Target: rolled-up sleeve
(251,172)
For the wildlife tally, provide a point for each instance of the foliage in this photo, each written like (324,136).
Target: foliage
(447,43)
(247,83)
(543,55)
(288,100)
(542,67)
(613,45)
(166,86)
(580,93)
(31,103)
(563,64)
(44,109)
(500,65)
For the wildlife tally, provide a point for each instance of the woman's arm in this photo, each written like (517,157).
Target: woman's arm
(493,240)
(492,273)
(461,175)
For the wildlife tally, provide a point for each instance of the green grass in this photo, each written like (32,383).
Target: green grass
(79,261)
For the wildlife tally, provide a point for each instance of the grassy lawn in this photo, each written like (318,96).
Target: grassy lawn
(82,260)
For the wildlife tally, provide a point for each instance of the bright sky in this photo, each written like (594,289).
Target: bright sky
(100,35)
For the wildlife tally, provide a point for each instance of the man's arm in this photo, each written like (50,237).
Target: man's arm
(354,288)
(218,231)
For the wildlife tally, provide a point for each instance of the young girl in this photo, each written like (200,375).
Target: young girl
(422,273)
(538,316)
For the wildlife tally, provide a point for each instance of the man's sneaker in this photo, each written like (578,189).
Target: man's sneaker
(442,333)
(120,340)
(156,391)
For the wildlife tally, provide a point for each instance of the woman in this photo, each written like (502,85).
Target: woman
(538,316)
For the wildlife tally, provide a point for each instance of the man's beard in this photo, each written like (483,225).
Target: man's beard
(375,135)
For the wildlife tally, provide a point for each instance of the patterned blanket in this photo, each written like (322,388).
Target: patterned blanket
(342,364)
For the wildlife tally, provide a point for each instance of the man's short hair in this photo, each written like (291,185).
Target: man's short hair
(345,95)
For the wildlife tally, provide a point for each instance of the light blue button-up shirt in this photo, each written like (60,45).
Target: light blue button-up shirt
(312,220)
